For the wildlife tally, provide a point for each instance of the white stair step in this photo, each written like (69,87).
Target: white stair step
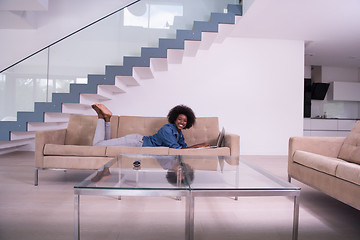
(207,39)
(41,126)
(76,108)
(110,90)
(159,64)
(128,80)
(121,84)
(89,99)
(56,117)
(224,31)
(9,146)
(191,48)
(22,135)
(143,73)
(175,56)
(237,19)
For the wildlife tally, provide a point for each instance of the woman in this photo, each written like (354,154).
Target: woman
(170,135)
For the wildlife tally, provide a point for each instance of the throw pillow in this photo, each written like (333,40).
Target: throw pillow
(350,150)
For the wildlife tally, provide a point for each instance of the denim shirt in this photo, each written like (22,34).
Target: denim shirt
(167,136)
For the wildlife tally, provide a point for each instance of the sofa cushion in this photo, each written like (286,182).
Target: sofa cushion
(74,162)
(318,162)
(350,150)
(113,151)
(349,172)
(74,150)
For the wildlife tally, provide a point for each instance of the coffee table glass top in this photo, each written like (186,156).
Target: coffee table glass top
(175,172)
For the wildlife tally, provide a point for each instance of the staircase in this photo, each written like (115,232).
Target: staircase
(117,79)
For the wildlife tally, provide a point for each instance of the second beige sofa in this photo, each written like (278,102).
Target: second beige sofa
(329,164)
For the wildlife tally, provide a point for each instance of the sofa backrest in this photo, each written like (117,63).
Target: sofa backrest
(81,128)
(206,129)
(145,126)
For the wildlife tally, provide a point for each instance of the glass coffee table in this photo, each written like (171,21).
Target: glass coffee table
(184,176)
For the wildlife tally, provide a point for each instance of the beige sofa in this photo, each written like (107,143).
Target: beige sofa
(72,148)
(329,164)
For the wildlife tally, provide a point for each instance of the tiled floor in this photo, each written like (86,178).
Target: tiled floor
(47,211)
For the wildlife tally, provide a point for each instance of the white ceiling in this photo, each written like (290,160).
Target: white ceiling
(330,28)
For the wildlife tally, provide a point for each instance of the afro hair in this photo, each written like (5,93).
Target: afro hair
(182,109)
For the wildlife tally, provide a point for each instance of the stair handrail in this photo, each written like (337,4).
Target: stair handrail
(71,34)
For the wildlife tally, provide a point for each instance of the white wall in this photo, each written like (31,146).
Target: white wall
(255,87)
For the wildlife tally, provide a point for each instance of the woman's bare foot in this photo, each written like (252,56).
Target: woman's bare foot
(103,111)
(98,111)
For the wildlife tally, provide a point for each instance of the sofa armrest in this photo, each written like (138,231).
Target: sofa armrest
(233,142)
(47,137)
(326,146)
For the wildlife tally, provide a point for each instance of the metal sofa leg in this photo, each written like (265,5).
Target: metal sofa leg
(36,177)
(289,178)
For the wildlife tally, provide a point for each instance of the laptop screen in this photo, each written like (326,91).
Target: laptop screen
(220,137)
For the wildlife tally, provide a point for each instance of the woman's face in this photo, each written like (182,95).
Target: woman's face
(181,122)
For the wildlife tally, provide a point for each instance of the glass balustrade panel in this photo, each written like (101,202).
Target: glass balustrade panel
(22,85)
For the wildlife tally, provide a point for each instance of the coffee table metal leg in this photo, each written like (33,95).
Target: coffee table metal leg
(77,216)
(189,218)
(296,218)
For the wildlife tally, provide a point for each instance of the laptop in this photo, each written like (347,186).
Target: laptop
(219,140)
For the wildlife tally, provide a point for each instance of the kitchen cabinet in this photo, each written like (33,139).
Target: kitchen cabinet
(344,91)
(328,127)
(346,125)
(324,124)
